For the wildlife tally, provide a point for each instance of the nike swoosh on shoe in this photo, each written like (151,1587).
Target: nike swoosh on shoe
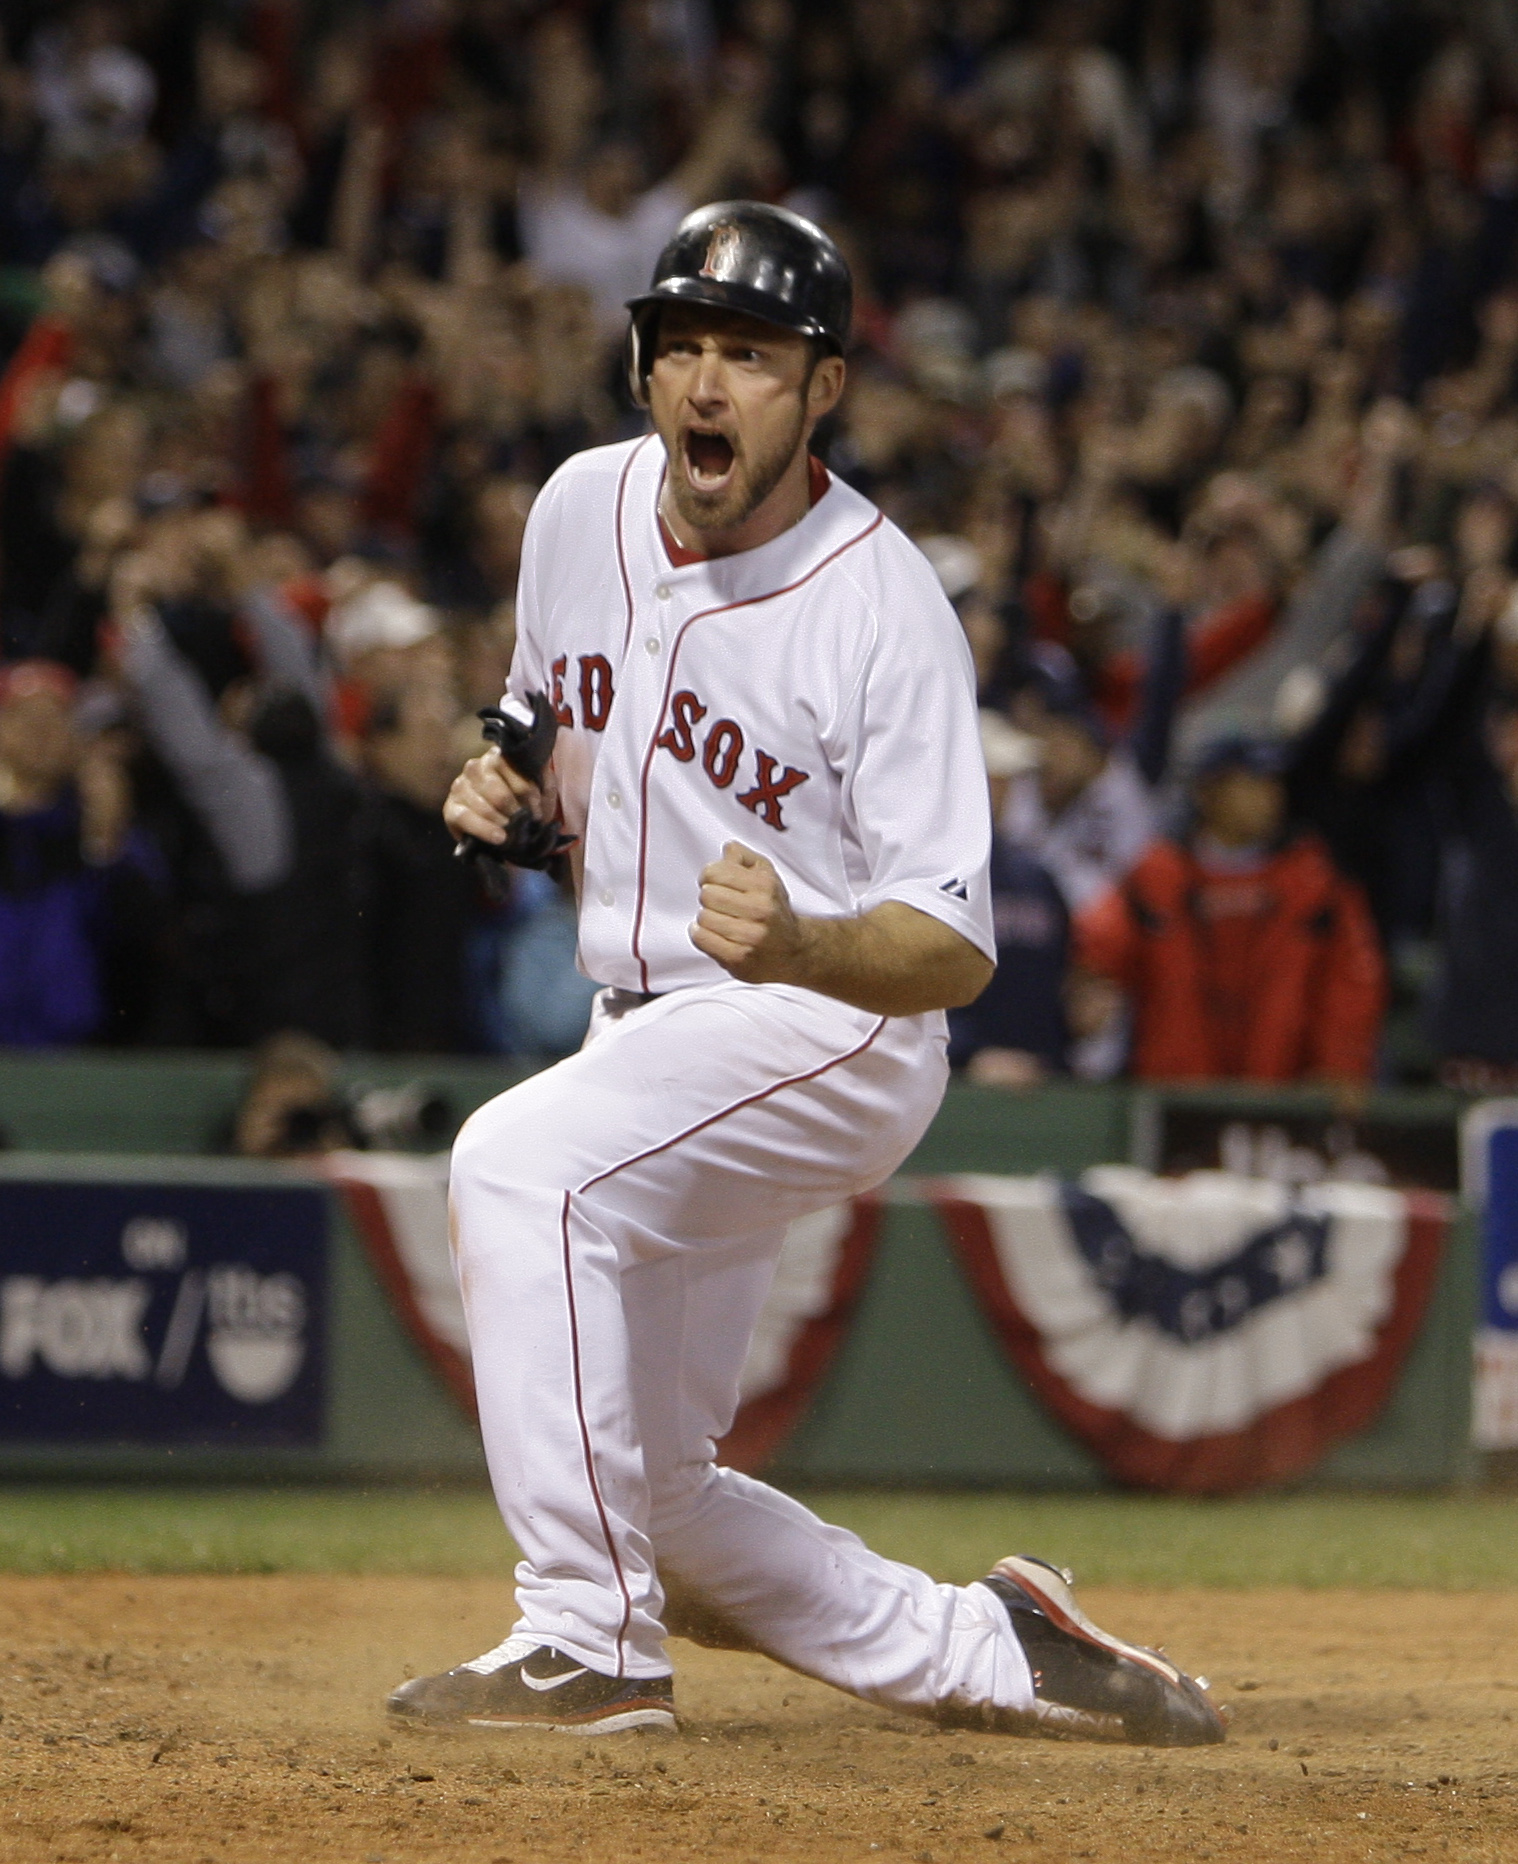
(541,1683)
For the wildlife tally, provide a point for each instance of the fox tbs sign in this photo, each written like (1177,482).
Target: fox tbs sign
(161,1313)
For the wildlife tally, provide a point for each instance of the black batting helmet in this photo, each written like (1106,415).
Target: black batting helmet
(746,256)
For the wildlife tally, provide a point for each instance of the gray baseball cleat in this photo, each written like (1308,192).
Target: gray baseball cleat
(1087,1682)
(523,1684)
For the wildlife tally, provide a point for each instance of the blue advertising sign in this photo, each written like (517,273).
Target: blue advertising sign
(162,1313)
(1490,1174)
(1490,1183)
(1499,1229)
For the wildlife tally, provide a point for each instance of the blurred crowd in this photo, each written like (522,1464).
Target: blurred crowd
(1186,345)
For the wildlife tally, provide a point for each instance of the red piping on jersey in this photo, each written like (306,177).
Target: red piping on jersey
(703,615)
(722,1113)
(627,594)
(590,1466)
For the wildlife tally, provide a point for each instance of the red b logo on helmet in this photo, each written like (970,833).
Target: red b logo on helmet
(722,251)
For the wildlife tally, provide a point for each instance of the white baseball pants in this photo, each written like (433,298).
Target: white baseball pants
(616,1221)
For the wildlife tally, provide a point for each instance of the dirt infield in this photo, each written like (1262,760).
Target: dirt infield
(214,1720)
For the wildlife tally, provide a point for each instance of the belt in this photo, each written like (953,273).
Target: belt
(621,1001)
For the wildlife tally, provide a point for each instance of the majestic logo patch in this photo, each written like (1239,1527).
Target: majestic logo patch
(722,251)
(954,887)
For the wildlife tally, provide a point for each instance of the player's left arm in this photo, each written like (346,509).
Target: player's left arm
(892,960)
(916,818)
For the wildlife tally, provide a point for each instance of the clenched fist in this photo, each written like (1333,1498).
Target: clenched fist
(892,960)
(746,922)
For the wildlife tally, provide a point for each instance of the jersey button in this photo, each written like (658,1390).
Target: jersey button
(652,644)
(663,591)
(614,798)
(608,898)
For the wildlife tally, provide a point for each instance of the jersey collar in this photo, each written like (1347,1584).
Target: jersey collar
(836,517)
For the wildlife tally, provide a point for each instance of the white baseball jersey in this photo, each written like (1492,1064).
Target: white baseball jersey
(812,698)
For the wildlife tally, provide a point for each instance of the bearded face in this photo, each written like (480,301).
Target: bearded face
(732,400)
(719,478)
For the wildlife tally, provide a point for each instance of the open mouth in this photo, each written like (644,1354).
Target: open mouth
(708,457)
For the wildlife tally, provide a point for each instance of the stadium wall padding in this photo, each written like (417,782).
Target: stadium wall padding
(920,1392)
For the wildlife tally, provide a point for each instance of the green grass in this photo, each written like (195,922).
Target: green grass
(1448,1542)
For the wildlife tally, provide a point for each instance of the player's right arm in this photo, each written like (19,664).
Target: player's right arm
(487,793)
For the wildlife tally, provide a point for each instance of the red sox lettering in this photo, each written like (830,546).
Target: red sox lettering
(721,749)
(596,691)
(686,712)
(764,797)
(721,753)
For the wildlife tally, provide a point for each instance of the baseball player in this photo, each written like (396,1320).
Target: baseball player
(767,756)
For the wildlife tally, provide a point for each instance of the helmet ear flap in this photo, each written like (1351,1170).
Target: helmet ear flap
(639,352)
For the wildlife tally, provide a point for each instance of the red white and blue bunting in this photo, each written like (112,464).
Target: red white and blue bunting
(824,1264)
(1203,1335)
(398,1203)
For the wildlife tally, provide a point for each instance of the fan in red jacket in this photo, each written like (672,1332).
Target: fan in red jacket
(1244,952)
